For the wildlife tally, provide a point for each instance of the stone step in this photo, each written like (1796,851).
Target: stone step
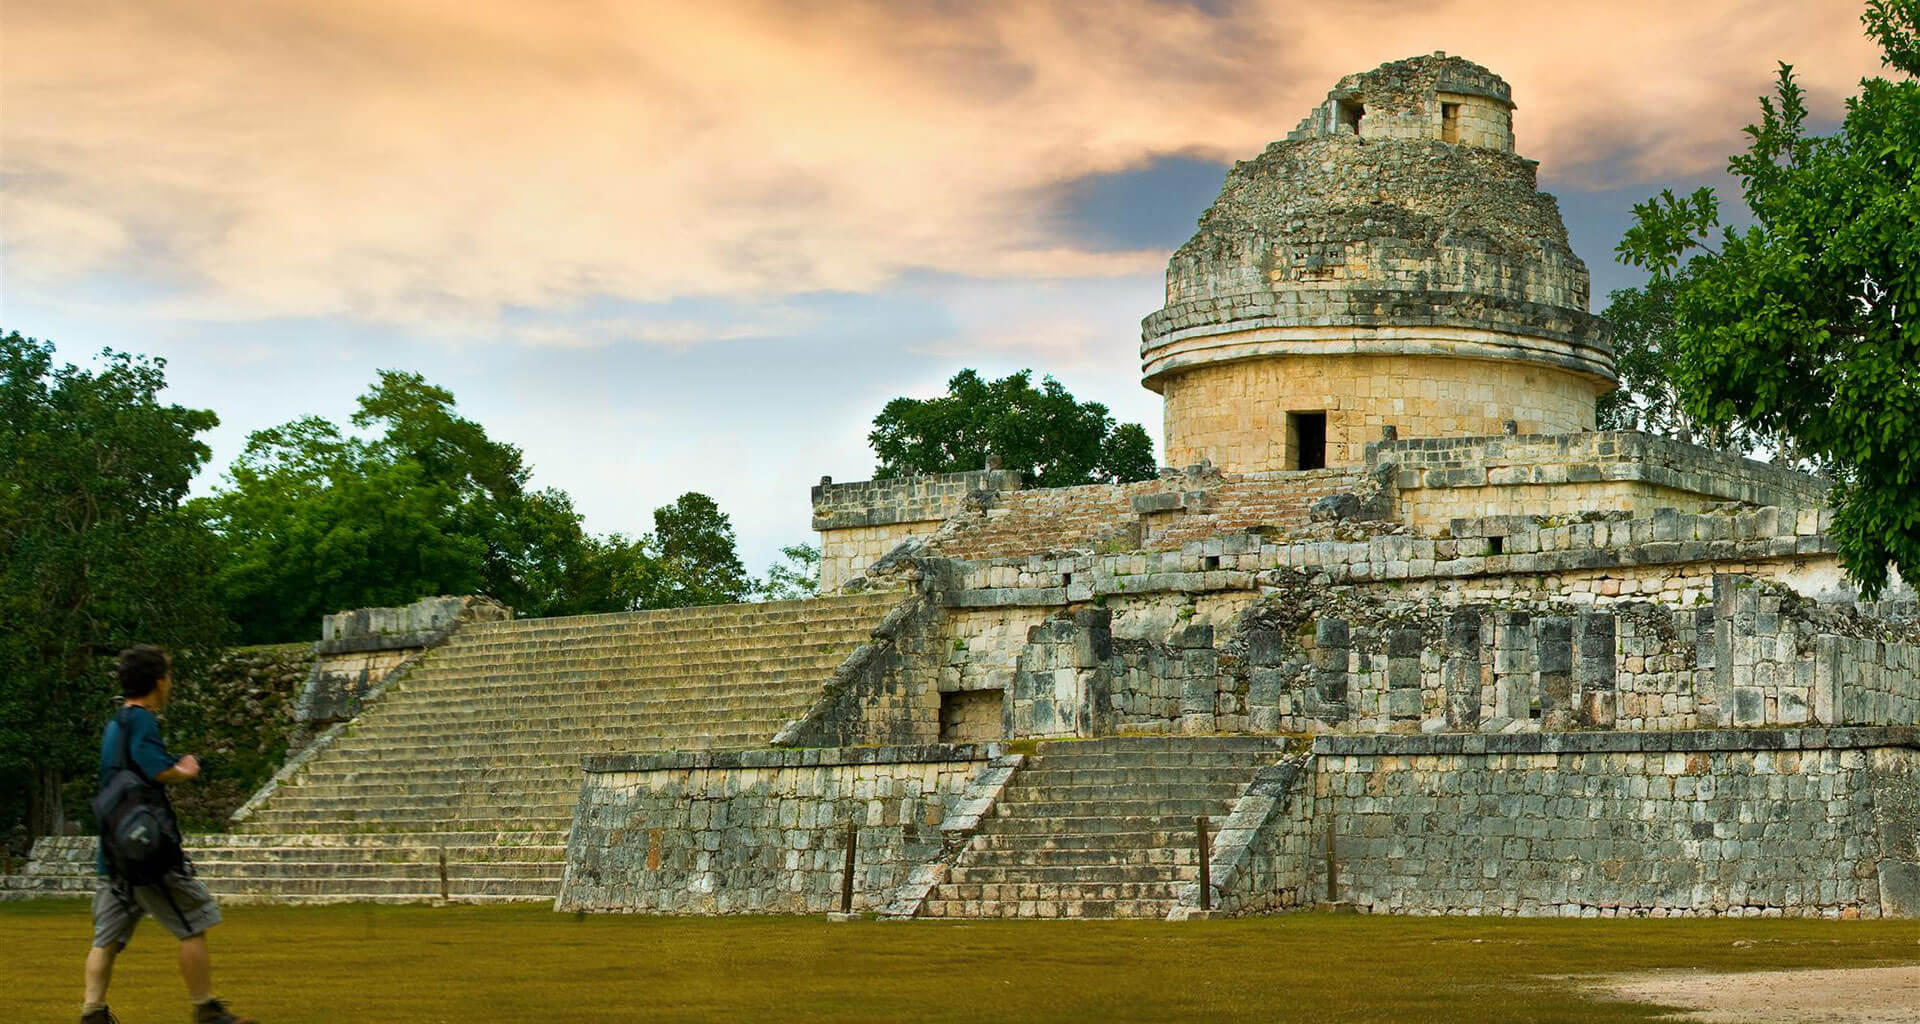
(1057,908)
(1023,890)
(1078,762)
(991,873)
(234,873)
(292,854)
(292,825)
(1225,786)
(422,888)
(1164,857)
(585,723)
(480,754)
(477,749)
(1112,843)
(1168,825)
(1122,808)
(706,665)
(425,808)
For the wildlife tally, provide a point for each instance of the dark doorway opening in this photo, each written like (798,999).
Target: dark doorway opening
(1309,430)
(1349,114)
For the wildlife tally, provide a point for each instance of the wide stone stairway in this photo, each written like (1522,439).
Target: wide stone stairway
(460,782)
(1099,828)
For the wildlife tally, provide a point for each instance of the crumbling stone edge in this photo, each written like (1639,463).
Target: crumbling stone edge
(838,717)
(1271,792)
(320,743)
(982,792)
(1683,741)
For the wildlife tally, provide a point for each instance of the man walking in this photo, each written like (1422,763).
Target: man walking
(178,901)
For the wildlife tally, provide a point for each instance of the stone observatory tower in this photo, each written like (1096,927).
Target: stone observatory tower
(1389,264)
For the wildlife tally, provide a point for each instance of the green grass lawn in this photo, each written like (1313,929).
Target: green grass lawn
(371,965)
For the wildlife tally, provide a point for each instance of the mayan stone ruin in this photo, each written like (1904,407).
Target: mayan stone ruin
(1399,631)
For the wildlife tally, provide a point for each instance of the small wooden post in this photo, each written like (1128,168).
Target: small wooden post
(846,874)
(1206,865)
(444,889)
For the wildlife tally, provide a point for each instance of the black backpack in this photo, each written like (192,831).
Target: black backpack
(137,827)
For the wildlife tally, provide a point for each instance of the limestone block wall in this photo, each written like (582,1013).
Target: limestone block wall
(1440,478)
(1262,852)
(1234,414)
(1754,823)
(861,522)
(758,832)
(1662,622)
(1179,506)
(1473,120)
(360,649)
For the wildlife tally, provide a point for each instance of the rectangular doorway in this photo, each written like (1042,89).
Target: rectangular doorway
(1308,432)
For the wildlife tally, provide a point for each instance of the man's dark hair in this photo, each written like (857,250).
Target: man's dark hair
(142,666)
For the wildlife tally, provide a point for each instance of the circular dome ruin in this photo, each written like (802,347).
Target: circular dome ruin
(1390,263)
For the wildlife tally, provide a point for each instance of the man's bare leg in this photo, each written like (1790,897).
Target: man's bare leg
(99,972)
(197,968)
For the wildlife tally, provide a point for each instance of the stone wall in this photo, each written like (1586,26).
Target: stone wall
(360,649)
(1441,478)
(760,831)
(860,522)
(1761,823)
(1235,414)
(887,691)
(237,717)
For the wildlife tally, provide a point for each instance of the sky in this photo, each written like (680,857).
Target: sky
(666,246)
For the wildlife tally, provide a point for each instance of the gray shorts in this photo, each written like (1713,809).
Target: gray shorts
(118,907)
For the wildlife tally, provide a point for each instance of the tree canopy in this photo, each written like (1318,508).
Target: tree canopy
(1044,432)
(1802,328)
(1640,321)
(314,521)
(97,552)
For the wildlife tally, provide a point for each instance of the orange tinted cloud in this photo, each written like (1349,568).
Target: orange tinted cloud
(431,162)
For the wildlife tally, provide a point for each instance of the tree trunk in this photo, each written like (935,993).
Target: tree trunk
(45,816)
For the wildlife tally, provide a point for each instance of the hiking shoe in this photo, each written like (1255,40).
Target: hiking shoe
(214,1012)
(100,1016)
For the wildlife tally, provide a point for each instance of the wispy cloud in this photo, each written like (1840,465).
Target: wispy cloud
(433,163)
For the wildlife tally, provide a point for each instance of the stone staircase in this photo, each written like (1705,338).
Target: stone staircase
(460,782)
(1099,828)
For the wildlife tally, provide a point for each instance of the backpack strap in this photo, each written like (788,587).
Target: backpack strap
(123,718)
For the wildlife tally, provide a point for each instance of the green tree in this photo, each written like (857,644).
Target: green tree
(1802,327)
(796,575)
(1044,432)
(97,553)
(1640,322)
(690,557)
(316,521)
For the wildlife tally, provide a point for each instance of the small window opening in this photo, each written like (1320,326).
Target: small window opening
(970,716)
(1348,114)
(1210,562)
(1066,579)
(1496,545)
(1450,122)
(1309,437)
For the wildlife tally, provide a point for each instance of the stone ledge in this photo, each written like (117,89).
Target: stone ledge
(382,642)
(1689,741)
(807,757)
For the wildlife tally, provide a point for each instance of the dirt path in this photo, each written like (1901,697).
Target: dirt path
(1866,995)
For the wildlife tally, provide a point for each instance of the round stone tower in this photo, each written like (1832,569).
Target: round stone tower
(1390,263)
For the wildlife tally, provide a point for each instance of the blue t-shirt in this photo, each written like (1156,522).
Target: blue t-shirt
(148,752)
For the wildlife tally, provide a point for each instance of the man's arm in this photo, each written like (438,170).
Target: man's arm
(186,768)
(151,754)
